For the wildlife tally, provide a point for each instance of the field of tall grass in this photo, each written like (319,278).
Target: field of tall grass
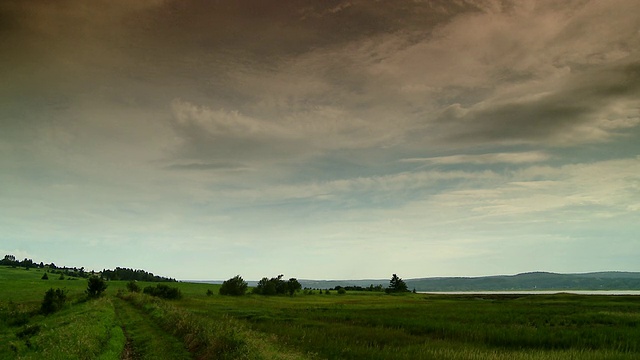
(355,325)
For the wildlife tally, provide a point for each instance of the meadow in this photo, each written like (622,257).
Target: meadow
(356,325)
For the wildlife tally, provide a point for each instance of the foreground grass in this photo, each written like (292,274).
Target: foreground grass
(81,331)
(209,338)
(377,326)
(352,326)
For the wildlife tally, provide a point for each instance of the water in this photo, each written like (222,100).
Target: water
(536,292)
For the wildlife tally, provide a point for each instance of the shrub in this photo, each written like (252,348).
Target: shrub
(45,277)
(53,301)
(95,287)
(209,292)
(235,286)
(163,291)
(133,286)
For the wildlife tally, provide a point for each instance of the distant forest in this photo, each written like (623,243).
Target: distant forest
(116,274)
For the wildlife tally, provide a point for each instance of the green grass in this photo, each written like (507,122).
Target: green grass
(146,339)
(351,326)
(378,326)
(84,330)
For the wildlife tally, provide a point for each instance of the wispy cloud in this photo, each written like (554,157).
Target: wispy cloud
(510,158)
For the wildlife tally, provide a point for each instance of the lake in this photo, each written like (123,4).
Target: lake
(536,292)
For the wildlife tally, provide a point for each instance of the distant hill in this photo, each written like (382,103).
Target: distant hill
(532,281)
(609,280)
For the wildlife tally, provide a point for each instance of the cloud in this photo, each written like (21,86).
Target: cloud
(510,158)
(589,107)
(227,166)
(361,187)
(525,72)
(209,133)
(576,191)
(221,123)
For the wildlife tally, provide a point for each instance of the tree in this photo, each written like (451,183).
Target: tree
(45,277)
(236,286)
(397,285)
(265,287)
(9,260)
(293,285)
(53,301)
(276,285)
(95,287)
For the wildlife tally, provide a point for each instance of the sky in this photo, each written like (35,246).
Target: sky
(321,139)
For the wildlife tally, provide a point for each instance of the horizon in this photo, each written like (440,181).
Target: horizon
(426,277)
(339,139)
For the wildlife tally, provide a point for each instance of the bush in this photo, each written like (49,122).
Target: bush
(45,277)
(235,286)
(209,292)
(163,291)
(276,285)
(53,301)
(133,286)
(95,287)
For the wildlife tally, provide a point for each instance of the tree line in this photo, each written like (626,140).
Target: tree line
(116,274)
(130,274)
(236,286)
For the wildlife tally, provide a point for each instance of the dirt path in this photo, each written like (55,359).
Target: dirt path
(145,339)
(128,352)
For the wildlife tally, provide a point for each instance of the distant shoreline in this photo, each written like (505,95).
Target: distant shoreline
(535,292)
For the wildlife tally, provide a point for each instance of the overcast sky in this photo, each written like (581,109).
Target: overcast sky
(321,139)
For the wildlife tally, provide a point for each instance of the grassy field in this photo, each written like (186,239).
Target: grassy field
(319,326)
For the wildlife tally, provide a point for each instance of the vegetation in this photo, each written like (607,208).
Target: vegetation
(353,325)
(133,286)
(53,301)
(276,285)
(235,286)
(163,291)
(396,285)
(95,287)
(131,274)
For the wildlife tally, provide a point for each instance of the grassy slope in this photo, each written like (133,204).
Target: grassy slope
(352,326)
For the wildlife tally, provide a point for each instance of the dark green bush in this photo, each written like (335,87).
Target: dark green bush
(235,286)
(95,287)
(133,286)
(163,291)
(53,301)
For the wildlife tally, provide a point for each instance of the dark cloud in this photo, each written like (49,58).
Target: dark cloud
(584,100)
